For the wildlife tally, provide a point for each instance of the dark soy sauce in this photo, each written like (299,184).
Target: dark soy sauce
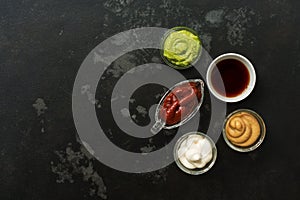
(230,77)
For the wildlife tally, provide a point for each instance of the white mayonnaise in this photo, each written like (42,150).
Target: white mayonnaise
(195,152)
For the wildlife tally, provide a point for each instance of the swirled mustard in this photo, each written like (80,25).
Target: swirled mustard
(181,48)
(242,129)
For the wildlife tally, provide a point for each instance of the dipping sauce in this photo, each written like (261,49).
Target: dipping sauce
(181,47)
(180,102)
(195,151)
(242,129)
(230,77)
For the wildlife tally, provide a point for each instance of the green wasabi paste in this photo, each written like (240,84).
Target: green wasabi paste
(181,48)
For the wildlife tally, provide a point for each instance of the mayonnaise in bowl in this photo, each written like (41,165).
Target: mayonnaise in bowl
(195,153)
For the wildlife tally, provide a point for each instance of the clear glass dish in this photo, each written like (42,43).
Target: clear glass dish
(258,141)
(166,60)
(196,171)
(160,124)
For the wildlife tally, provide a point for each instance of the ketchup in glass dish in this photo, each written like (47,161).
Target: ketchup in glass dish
(179,105)
(180,102)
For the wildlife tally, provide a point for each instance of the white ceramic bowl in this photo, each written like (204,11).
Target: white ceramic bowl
(247,64)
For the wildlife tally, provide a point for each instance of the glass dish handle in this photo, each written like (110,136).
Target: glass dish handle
(157,127)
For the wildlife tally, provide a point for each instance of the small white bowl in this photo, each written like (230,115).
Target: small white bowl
(247,64)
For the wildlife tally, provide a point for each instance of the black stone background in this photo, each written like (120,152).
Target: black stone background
(43,43)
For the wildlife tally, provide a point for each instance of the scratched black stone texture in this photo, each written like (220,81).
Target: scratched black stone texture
(42,45)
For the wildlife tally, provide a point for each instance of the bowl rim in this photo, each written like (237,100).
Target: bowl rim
(259,140)
(199,170)
(248,65)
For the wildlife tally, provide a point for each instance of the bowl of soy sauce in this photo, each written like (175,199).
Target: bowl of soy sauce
(231,77)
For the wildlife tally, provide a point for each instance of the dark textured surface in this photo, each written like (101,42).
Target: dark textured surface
(43,43)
